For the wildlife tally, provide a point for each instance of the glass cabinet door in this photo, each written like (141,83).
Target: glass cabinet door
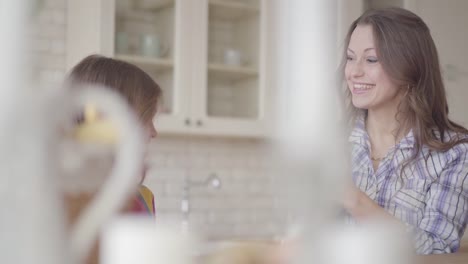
(145,35)
(154,35)
(208,56)
(233,59)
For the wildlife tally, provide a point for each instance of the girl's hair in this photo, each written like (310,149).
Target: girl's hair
(409,56)
(136,86)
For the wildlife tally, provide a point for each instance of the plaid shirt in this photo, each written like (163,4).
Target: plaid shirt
(430,198)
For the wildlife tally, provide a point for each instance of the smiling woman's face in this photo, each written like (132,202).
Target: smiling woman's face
(370,86)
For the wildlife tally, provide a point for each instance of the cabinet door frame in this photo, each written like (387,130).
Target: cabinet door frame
(179,121)
(224,125)
(90,30)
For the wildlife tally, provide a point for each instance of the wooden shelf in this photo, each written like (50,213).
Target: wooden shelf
(231,72)
(134,15)
(153,5)
(157,64)
(230,10)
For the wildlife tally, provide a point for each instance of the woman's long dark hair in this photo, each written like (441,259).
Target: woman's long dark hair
(409,56)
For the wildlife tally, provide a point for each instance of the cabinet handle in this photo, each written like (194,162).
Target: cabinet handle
(187,122)
(199,123)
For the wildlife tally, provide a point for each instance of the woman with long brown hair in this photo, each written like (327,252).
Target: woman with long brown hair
(409,160)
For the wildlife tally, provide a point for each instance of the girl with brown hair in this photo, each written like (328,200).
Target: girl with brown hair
(140,91)
(142,94)
(409,160)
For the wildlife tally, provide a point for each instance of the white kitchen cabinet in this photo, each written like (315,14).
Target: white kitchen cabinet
(209,57)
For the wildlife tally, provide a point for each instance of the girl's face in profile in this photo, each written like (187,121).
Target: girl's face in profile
(370,86)
(150,131)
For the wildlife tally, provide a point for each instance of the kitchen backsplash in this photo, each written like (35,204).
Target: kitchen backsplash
(241,208)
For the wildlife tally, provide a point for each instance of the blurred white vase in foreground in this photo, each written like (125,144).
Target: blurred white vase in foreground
(313,164)
(310,142)
(375,242)
(36,163)
(40,161)
(138,239)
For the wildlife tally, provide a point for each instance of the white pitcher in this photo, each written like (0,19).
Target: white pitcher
(38,159)
(118,141)
(34,149)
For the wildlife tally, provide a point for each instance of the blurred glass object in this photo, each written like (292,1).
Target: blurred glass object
(41,156)
(310,142)
(311,145)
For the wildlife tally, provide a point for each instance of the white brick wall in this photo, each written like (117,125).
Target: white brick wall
(241,208)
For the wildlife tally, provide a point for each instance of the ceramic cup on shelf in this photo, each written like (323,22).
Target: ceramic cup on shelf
(121,42)
(233,57)
(151,46)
